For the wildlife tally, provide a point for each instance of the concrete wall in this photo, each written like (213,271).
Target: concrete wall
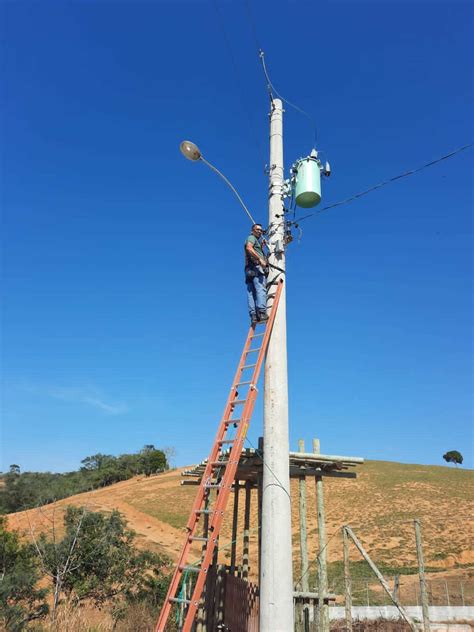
(437,613)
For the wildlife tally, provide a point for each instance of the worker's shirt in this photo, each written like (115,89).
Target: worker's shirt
(249,260)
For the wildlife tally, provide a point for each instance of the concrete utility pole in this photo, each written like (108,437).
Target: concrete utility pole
(276,576)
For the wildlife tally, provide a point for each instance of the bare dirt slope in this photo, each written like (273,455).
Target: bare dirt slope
(380,506)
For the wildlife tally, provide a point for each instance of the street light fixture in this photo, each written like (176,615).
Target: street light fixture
(192,152)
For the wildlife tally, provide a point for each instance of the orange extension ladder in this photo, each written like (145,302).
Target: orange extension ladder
(213,480)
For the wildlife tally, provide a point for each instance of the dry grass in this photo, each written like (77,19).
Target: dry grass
(382,625)
(73,618)
(380,505)
(84,618)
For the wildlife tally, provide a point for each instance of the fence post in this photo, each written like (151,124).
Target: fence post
(447,593)
(462,594)
(421,571)
(381,579)
(396,586)
(347,581)
(322,556)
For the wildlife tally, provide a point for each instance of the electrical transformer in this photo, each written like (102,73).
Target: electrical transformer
(307,181)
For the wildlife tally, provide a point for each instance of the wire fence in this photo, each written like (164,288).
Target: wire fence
(453,587)
(441,592)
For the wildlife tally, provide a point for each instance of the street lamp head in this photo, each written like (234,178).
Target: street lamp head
(190,150)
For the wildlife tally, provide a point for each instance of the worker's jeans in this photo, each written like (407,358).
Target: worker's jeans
(257,292)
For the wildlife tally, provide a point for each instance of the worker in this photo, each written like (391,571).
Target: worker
(256,270)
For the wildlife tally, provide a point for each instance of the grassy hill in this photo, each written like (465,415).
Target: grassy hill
(380,505)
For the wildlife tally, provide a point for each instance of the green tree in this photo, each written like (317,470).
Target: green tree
(96,558)
(96,461)
(31,489)
(152,460)
(20,600)
(453,456)
(15,469)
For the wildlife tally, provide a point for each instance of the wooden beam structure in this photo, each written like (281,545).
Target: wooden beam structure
(311,603)
(301,464)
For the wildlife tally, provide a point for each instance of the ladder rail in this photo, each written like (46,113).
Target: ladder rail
(227,479)
(218,516)
(221,429)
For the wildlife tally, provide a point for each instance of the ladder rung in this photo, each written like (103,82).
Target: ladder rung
(213,478)
(190,569)
(178,600)
(233,421)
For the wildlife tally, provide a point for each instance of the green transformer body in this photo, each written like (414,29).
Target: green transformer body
(308,182)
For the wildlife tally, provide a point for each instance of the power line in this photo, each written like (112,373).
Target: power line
(382,184)
(252,25)
(234,64)
(270,86)
(261,455)
(295,107)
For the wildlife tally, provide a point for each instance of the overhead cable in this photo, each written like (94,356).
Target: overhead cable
(382,184)
(234,64)
(271,88)
(252,25)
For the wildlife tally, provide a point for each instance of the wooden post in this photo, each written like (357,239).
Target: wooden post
(381,579)
(447,593)
(246,542)
(220,596)
(322,556)
(235,520)
(462,594)
(421,572)
(304,583)
(396,586)
(347,581)
(201,625)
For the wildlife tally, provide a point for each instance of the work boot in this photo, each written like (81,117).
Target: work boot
(262,316)
(253,318)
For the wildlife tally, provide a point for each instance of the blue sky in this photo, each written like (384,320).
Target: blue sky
(124,304)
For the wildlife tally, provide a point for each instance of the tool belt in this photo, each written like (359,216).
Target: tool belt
(253,271)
